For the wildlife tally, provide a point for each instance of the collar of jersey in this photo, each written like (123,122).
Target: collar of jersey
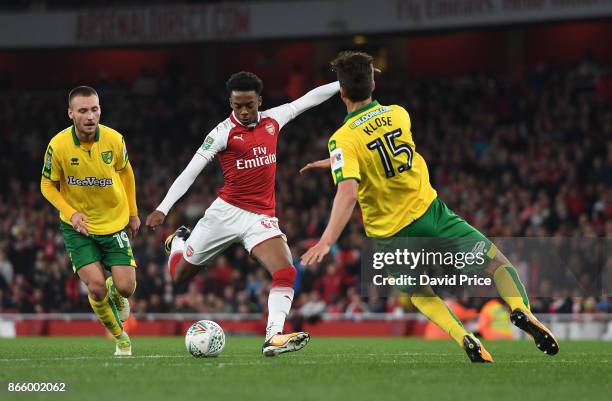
(361,110)
(76,138)
(252,125)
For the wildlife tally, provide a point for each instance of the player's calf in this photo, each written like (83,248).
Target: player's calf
(279,304)
(280,300)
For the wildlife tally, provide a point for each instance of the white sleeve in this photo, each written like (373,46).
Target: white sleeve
(183,182)
(288,111)
(214,142)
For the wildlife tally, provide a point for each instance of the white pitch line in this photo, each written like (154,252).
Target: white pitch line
(554,361)
(407,357)
(75,358)
(352,356)
(294,362)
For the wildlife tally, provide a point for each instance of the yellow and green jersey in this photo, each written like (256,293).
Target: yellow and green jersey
(88,178)
(375,147)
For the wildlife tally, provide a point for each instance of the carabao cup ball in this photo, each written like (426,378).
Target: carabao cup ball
(205,339)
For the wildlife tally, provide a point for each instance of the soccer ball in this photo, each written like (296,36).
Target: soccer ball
(205,338)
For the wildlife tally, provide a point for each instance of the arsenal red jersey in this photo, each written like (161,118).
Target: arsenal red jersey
(248,159)
(247,155)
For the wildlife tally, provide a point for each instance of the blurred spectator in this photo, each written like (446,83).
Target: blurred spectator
(331,284)
(514,155)
(494,321)
(311,311)
(356,307)
(6,270)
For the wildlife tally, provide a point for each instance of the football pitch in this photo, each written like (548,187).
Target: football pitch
(327,369)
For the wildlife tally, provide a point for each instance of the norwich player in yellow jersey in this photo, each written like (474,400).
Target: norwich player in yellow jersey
(96,200)
(374,160)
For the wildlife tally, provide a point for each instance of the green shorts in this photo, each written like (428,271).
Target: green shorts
(111,250)
(449,233)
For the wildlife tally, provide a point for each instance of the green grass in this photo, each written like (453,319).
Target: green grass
(327,369)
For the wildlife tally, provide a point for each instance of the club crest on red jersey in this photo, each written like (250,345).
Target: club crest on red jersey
(270,129)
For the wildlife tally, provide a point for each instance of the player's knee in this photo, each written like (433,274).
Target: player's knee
(284,277)
(126,287)
(97,289)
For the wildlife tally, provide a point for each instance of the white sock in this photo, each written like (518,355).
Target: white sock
(279,304)
(177,246)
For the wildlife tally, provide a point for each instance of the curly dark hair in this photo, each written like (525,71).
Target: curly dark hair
(354,71)
(244,81)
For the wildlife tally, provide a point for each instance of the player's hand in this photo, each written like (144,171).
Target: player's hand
(325,163)
(155,219)
(314,254)
(134,225)
(79,221)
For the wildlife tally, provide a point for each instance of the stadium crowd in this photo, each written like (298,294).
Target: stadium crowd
(526,155)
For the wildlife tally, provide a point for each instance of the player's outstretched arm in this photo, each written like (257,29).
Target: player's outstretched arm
(315,97)
(287,112)
(177,190)
(344,203)
(129,185)
(215,142)
(325,163)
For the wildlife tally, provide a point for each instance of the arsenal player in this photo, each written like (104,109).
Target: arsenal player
(244,211)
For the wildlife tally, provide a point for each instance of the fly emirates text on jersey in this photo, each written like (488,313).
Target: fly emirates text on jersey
(260,158)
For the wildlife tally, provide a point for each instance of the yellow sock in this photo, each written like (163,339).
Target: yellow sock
(438,312)
(107,314)
(510,288)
